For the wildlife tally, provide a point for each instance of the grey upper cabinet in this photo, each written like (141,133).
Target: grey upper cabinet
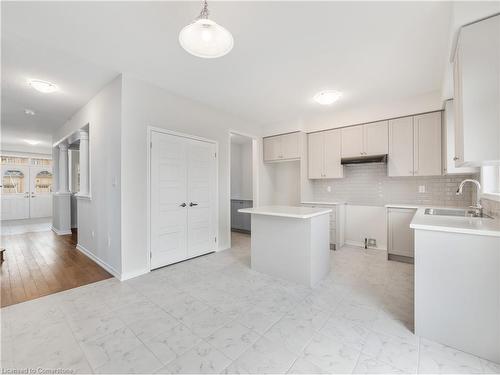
(365,140)
(476,81)
(324,155)
(415,145)
(282,147)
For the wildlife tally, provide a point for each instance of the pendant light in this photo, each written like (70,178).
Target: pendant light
(205,38)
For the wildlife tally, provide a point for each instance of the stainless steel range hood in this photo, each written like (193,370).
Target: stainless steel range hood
(380,159)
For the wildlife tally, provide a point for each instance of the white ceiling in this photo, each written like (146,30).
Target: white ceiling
(284,53)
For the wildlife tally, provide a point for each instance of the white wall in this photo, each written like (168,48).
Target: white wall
(99,218)
(147,105)
(241,171)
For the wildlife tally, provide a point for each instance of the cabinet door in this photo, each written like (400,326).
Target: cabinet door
(376,138)
(290,146)
(315,152)
(272,148)
(427,144)
(400,235)
(400,161)
(332,154)
(352,141)
(458,156)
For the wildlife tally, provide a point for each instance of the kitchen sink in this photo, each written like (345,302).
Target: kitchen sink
(460,212)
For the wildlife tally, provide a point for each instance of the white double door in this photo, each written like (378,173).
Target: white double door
(183,198)
(26,192)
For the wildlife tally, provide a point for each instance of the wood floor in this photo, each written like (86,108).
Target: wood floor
(41,263)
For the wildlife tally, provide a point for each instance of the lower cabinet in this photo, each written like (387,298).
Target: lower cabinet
(337,219)
(400,237)
(240,222)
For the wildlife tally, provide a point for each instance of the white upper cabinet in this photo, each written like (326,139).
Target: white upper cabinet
(324,154)
(282,147)
(352,141)
(365,140)
(376,138)
(477,94)
(400,161)
(427,144)
(332,145)
(415,145)
(315,152)
(448,143)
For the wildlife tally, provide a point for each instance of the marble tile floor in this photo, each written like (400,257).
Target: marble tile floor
(213,314)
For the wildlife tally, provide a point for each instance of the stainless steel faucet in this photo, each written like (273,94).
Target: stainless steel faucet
(478,208)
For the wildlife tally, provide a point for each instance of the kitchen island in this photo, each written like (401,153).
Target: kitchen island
(290,242)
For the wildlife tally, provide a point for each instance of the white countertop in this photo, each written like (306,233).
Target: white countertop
(454,224)
(324,203)
(287,211)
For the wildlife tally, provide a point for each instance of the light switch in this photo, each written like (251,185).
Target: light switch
(329,189)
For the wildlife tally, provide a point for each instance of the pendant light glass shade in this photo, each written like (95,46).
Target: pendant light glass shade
(205,38)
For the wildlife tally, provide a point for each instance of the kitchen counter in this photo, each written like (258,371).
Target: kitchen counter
(466,225)
(291,243)
(323,203)
(287,211)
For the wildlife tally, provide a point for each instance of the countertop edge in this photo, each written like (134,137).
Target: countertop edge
(293,216)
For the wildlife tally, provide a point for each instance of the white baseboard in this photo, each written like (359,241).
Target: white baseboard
(362,244)
(103,264)
(60,232)
(131,275)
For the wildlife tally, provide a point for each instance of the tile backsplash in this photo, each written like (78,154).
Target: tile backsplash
(491,207)
(368,184)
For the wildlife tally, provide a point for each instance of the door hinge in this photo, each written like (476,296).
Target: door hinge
(151,144)
(215,239)
(150,255)
(215,155)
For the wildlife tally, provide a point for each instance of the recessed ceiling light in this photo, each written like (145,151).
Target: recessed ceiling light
(29,112)
(43,86)
(31,142)
(327,97)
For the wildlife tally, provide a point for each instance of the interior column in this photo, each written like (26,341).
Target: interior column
(63,168)
(84,163)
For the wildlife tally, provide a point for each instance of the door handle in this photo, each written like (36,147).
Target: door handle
(183,205)
(191,204)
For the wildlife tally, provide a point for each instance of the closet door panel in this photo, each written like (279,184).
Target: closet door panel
(168,193)
(201,191)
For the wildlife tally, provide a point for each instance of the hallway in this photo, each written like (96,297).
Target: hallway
(41,263)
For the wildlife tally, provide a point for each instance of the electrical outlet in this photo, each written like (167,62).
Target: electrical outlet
(421,189)
(92,234)
(329,189)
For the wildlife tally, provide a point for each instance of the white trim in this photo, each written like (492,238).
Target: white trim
(103,264)
(131,275)
(150,130)
(491,196)
(60,232)
(83,197)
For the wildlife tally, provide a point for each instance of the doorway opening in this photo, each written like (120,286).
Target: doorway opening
(243,150)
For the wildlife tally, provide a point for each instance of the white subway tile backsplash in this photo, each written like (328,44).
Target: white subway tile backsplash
(368,184)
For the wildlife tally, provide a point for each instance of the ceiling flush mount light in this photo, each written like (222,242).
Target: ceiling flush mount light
(327,97)
(205,38)
(31,142)
(29,112)
(43,86)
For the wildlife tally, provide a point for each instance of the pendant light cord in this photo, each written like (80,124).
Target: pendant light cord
(204,12)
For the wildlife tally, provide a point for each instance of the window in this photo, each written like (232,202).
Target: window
(490,181)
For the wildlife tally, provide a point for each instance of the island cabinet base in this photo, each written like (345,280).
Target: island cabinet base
(457,291)
(294,249)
